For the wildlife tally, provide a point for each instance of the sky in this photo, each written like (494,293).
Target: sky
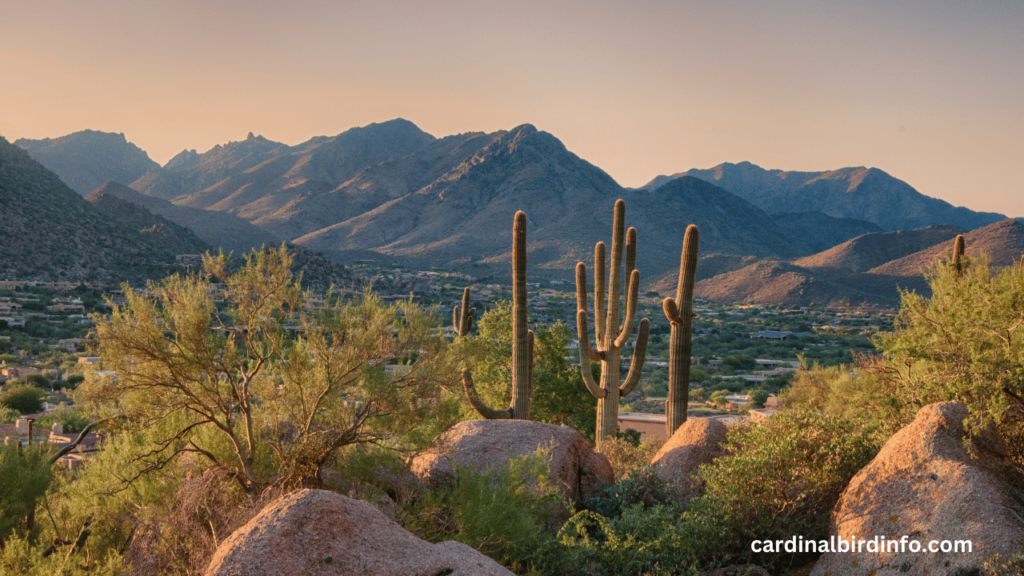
(930,91)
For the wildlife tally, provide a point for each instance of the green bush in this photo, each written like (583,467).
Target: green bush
(501,513)
(782,477)
(73,419)
(37,380)
(25,480)
(24,399)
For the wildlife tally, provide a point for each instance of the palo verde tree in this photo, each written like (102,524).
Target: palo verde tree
(522,338)
(680,314)
(610,335)
(258,383)
(965,342)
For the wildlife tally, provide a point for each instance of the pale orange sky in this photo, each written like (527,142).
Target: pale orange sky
(929,91)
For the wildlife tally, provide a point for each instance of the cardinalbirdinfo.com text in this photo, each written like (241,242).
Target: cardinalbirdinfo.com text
(857,545)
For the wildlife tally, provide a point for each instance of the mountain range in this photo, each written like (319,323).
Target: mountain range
(393,193)
(861,193)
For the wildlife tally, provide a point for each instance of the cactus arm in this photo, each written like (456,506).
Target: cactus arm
(477,403)
(636,367)
(671,310)
(457,320)
(599,305)
(581,286)
(588,375)
(630,251)
(631,301)
(581,304)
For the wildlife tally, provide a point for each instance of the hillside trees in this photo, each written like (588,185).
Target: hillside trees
(258,385)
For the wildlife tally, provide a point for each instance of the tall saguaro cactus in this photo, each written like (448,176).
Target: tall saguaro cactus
(680,313)
(610,336)
(522,338)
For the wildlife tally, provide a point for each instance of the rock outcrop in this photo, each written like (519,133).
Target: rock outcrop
(315,532)
(925,485)
(698,441)
(488,444)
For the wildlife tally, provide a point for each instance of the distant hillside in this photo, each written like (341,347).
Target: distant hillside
(177,239)
(1003,242)
(87,159)
(220,230)
(818,231)
(50,233)
(861,193)
(778,283)
(870,250)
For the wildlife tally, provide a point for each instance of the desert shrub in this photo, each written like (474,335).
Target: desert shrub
(25,478)
(368,472)
(782,477)
(24,399)
(181,535)
(73,419)
(642,487)
(22,557)
(997,566)
(628,454)
(501,513)
(37,380)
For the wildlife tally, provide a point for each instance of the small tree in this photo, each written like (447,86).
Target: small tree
(965,342)
(250,367)
(24,399)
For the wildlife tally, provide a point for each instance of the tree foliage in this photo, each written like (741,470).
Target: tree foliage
(965,342)
(558,397)
(259,381)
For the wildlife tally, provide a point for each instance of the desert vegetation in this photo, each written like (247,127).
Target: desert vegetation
(228,391)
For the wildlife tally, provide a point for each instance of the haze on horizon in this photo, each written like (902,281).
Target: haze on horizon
(930,92)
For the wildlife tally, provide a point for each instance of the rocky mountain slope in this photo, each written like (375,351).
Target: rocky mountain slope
(870,250)
(87,159)
(50,233)
(1003,242)
(221,230)
(862,193)
(177,239)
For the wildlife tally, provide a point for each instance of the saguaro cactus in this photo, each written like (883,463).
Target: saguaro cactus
(522,338)
(610,336)
(958,252)
(680,313)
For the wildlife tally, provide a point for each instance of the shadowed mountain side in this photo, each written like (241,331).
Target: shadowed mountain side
(218,229)
(862,193)
(779,283)
(1002,241)
(177,239)
(370,188)
(256,178)
(818,231)
(870,250)
(51,233)
(87,159)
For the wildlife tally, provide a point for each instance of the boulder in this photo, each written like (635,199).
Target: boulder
(925,485)
(698,441)
(315,532)
(488,444)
